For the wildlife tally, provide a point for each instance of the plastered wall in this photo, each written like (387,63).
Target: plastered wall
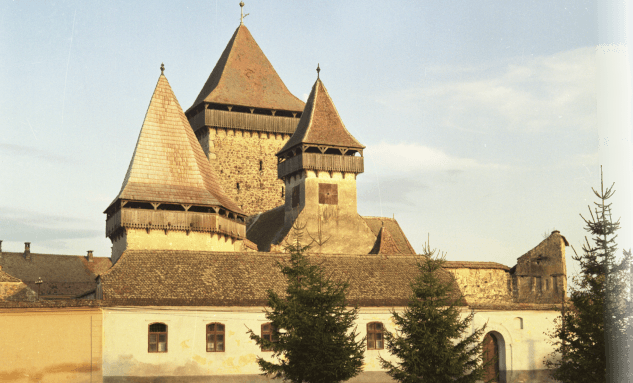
(50,345)
(520,335)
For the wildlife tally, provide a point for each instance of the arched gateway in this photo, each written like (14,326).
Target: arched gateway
(491,358)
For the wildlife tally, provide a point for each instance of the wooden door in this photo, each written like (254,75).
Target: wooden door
(491,358)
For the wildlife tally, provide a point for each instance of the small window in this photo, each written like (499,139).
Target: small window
(261,165)
(268,333)
(295,196)
(237,186)
(215,337)
(518,323)
(375,336)
(282,192)
(157,337)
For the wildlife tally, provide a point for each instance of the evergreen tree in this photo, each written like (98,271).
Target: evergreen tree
(431,341)
(587,333)
(313,339)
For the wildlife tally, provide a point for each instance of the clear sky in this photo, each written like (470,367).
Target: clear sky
(479,117)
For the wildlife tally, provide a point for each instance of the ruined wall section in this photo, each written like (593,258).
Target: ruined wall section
(246,165)
(540,275)
(483,285)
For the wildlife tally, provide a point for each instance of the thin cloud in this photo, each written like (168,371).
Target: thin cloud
(416,158)
(545,93)
(29,151)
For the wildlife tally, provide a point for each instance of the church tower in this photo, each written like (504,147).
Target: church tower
(242,116)
(170,198)
(319,165)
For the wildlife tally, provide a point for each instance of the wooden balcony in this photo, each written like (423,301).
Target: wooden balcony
(244,121)
(321,162)
(174,220)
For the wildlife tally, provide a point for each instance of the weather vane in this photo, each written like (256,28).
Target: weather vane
(162,68)
(318,70)
(242,15)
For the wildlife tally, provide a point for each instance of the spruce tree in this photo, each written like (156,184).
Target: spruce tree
(586,335)
(432,341)
(313,337)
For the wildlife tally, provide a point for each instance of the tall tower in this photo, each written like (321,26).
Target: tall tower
(170,198)
(319,165)
(243,115)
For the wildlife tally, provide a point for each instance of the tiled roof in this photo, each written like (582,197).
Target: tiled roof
(64,275)
(320,123)
(474,265)
(376,223)
(385,243)
(189,278)
(168,164)
(244,76)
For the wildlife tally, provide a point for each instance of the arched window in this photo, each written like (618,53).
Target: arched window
(375,336)
(215,337)
(268,333)
(518,323)
(157,341)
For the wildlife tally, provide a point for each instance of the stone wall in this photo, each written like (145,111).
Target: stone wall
(246,164)
(487,286)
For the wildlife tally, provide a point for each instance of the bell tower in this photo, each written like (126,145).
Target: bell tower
(319,165)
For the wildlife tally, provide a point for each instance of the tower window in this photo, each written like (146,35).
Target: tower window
(295,196)
(328,194)
(282,192)
(261,165)
(237,186)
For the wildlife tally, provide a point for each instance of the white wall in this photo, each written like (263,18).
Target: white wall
(126,335)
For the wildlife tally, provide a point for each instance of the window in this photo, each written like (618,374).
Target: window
(268,333)
(295,196)
(261,165)
(215,337)
(374,336)
(328,194)
(157,337)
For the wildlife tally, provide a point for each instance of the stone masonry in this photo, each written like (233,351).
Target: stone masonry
(246,165)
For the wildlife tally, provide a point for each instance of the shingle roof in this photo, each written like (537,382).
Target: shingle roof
(320,123)
(66,275)
(244,76)
(385,243)
(168,164)
(376,223)
(190,278)
(4,277)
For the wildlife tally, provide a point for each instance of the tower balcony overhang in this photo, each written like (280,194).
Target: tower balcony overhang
(151,219)
(320,162)
(243,121)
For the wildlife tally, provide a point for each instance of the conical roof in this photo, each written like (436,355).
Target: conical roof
(385,244)
(244,76)
(320,123)
(168,164)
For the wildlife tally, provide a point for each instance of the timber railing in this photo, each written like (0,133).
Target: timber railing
(174,220)
(244,121)
(324,162)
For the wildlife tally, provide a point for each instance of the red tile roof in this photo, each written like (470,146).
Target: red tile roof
(385,243)
(320,123)
(168,164)
(244,76)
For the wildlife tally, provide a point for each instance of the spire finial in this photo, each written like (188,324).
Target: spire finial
(318,71)
(242,15)
(162,68)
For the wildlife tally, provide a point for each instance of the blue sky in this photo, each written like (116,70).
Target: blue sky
(479,117)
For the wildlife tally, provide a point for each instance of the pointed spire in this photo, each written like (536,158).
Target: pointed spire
(385,244)
(243,76)
(320,123)
(168,164)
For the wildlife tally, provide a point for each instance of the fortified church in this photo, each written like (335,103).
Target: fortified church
(210,197)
